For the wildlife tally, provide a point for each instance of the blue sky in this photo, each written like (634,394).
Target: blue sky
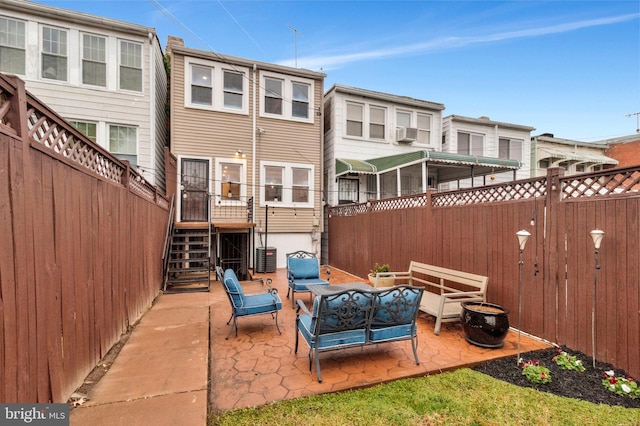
(571,68)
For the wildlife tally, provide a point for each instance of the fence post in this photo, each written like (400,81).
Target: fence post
(17,114)
(552,243)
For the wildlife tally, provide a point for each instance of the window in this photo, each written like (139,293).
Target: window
(94,60)
(287,184)
(230,179)
(273,183)
(12,46)
(130,66)
(403,119)
(300,100)
(233,89)
(348,191)
(286,97)
(544,164)
(273,96)
(88,129)
(580,168)
(510,149)
(424,128)
(300,185)
(470,144)
(389,184)
(376,122)
(123,142)
(355,117)
(208,85)
(54,54)
(201,85)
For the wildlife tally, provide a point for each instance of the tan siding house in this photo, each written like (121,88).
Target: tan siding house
(247,135)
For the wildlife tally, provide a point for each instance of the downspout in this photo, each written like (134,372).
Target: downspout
(253,166)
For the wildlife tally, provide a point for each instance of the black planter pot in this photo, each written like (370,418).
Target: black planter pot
(484,324)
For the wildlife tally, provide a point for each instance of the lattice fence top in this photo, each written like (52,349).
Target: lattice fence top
(605,182)
(509,191)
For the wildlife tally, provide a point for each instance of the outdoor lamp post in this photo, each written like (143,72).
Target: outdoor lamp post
(596,235)
(523,236)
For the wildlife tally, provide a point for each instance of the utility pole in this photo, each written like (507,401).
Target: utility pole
(295,43)
(637,114)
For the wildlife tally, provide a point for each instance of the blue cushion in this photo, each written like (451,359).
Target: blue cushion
(330,340)
(259,304)
(301,284)
(303,267)
(395,306)
(390,333)
(233,287)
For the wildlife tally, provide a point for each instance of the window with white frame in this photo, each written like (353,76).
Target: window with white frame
(87,128)
(510,149)
(201,85)
(230,179)
(423,122)
(287,183)
(377,120)
(233,89)
(12,46)
(54,54)
(94,60)
(213,86)
(123,142)
(130,66)
(300,100)
(273,96)
(355,119)
(403,118)
(286,97)
(470,144)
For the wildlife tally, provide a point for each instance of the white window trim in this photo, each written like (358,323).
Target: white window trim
(108,139)
(430,130)
(219,197)
(366,122)
(217,86)
(42,52)
(119,64)
(287,96)
(24,46)
(287,184)
(471,133)
(106,60)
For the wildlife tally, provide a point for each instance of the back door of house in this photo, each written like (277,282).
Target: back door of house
(195,195)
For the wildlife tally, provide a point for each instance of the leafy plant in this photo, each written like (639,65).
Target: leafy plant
(380,268)
(534,372)
(620,385)
(568,362)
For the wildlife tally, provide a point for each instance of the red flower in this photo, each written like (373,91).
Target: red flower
(613,380)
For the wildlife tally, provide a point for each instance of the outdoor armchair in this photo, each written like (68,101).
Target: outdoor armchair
(303,269)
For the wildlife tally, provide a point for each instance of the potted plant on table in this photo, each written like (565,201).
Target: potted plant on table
(379,276)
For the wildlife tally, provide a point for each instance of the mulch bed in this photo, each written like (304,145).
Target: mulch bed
(585,385)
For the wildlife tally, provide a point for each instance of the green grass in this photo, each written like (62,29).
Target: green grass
(462,397)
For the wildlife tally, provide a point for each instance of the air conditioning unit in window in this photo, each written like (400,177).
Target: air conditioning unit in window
(406,134)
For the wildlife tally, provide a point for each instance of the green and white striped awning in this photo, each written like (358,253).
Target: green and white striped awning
(450,166)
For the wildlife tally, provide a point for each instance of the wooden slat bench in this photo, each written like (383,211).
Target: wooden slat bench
(444,289)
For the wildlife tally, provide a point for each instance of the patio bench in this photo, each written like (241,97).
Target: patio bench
(358,317)
(303,269)
(445,289)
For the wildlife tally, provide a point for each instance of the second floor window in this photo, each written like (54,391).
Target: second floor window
(376,122)
(94,60)
(423,122)
(12,46)
(355,118)
(54,54)
(300,100)
(201,85)
(123,143)
(510,149)
(130,66)
(233,89)
(403,119)
(470,144)
(273,96)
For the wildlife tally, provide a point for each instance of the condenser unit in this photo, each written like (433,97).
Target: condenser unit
(266,259)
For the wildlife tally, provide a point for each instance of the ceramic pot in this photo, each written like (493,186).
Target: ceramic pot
(484,324)
(381,281)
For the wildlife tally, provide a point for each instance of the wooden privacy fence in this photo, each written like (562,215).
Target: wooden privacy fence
(474,230)
(82,238)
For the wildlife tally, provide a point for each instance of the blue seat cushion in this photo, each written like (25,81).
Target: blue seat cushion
(390,333)
(304,267)
(329,340)
(301,284)
(259,304)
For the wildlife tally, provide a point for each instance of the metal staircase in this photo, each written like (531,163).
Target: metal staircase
(188,262)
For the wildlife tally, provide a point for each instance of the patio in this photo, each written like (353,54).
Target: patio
(259,365)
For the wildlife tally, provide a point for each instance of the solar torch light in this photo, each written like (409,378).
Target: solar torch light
(523,236)
(597,236)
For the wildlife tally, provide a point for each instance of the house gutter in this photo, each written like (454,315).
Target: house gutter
(253,143)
